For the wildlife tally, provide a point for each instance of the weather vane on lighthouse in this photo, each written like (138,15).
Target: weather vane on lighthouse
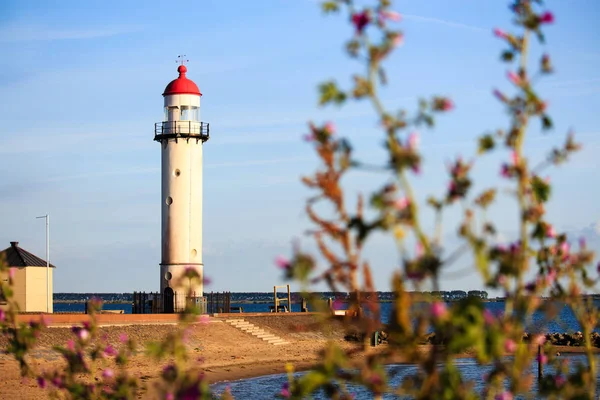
(181,59)
(181,135)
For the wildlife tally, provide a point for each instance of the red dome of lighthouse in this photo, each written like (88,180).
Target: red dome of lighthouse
(182,85)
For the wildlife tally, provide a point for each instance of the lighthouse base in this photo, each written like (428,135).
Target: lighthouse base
(179,286)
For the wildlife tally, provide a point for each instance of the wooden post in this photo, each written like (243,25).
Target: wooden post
(289,299)
(540,364)
(275,297)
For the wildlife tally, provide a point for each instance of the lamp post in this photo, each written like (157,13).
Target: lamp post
(47,217)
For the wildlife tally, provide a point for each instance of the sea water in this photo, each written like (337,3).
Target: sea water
(267,387)
(565,321)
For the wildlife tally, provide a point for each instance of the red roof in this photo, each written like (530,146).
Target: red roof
(182,85)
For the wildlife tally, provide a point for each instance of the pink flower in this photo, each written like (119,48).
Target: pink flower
(505,171)
(551,277)
(447,104)
(550,231)
(329,128)
(57,381)
(488,317)
(419,250)
(190,269)
(123,338)
(70,345)
(502,279)
(41,382)
(514,157)
(559,380)
(530,287)
(360,21)
(542,358)
(282,262)
(285,391)
(539,340)
(413,140)
(108,373)
(499,95)
(83,334)
(3,315)
(401,203)
(547,18)
(416,168)
(169,396)
(500,33)
(504,396)
(564,248)
(390,15)
(11,273)
(206,280)
(398,40)
(451,186)
(514,78)
(110,351)
(337,304)
(510,346)
(438,310)
(309,137)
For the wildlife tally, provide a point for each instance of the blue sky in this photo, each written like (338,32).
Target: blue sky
(81,87)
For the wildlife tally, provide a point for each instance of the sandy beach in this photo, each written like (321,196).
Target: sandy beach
(220,350)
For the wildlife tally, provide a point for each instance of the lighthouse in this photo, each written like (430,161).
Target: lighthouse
(181,135)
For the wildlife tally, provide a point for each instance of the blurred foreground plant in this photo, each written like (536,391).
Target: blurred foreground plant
(97,369)
(561,271)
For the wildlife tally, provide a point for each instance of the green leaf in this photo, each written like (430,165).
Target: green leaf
(507,56)
(377,201)
(329,93)
(352,47)
(541,189)
(546,122)
(329,7)
(486,143)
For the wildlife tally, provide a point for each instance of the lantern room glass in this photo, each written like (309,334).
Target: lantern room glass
(190,113)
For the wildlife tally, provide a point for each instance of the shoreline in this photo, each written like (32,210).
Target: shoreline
(277,368)
(228,354)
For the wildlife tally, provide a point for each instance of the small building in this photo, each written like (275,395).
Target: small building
(32,280)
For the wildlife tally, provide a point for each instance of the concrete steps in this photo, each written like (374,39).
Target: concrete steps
(254,330)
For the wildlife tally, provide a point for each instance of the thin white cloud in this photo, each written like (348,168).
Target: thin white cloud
(32,33)
(151,170)
(126,171)
(249,163)
(253,138)
(569,83)
(445,22)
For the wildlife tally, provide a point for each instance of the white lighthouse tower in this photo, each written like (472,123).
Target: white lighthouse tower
(181,136)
